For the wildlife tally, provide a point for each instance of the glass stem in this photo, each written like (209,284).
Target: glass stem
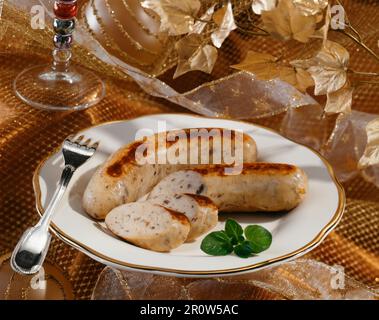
(64,26)
(61,60)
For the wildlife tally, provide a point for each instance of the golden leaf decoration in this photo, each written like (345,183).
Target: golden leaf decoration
(287,22)
(193,54)
(266,67)
(310,7)
(226,25)
(199,26)
(262,5)
(340,101)
(297,77)
(371,154)
(219,15)
(328,68)
(176,17)
(262,65)
(323,31)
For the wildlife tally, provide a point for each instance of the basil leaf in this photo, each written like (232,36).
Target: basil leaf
(259,237)
(244,249)
(234,231)
(217,243)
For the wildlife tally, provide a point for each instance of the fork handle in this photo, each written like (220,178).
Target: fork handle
(66,176)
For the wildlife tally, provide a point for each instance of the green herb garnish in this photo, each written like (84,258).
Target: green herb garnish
(234,231)
(221,243)
(217,243)
(259,237)
(244,249)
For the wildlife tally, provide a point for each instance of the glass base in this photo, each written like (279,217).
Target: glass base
(44,88)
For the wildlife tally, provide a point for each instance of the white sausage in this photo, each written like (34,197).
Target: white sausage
(260,186)
(122,180)
(149,226)
(200,211)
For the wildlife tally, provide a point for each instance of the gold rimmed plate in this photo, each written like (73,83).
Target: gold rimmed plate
(294,233)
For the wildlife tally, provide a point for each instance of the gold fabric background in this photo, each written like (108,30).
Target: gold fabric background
(28,135)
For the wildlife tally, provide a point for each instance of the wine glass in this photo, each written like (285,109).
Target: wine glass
(60,85)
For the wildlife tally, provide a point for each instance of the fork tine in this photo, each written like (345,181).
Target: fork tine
(95,145)
(87,142)
(79,139)
(70,137)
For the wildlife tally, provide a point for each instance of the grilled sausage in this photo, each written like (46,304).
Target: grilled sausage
(260,186)
(122,179)
(149,226)
(200,211)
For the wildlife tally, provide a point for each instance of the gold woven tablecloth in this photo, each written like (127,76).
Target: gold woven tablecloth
(28,135)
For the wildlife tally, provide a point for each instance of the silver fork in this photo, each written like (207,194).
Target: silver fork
(30,252)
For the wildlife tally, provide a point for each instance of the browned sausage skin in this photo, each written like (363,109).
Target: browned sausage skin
(260,186)
(122,180)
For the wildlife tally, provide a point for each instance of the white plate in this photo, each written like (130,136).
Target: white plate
(294,233)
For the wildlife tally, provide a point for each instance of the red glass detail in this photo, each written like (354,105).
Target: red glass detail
(64,10)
